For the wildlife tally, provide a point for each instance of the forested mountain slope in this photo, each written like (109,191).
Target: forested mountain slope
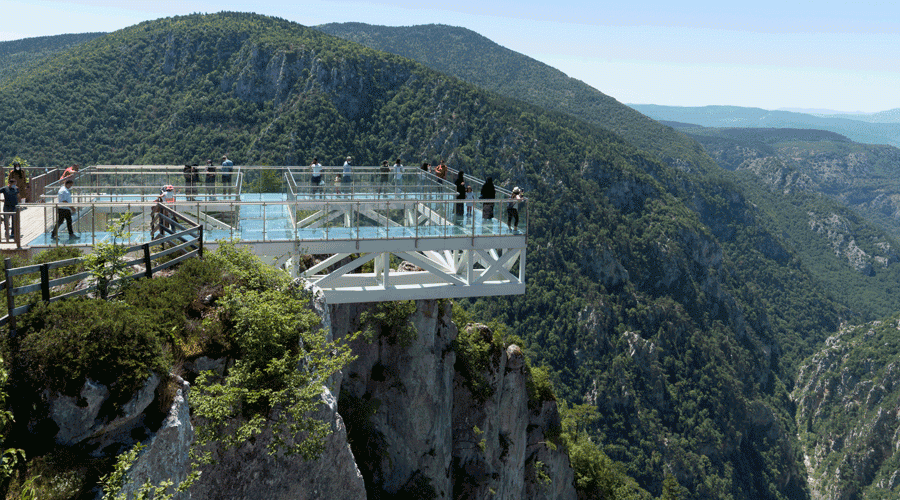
(476,59)
(654,293)
(837,201)
(19,55)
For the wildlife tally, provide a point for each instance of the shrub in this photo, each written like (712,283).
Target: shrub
(72,340)
(282,362)
(390,320)
(477,349)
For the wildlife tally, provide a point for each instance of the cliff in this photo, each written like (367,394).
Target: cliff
(847,413)
(413,424)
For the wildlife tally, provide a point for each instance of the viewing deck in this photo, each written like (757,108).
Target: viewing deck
(380,237)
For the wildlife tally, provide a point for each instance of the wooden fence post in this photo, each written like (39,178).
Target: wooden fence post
(200,251)
(148,264)
(45,282)
(10,301)
(17,227)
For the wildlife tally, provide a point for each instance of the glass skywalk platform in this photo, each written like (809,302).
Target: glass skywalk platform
(377,238)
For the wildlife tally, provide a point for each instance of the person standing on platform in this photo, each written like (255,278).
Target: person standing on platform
(398,175)
(512,209)
(459,207)
(63,212)
(18,173)
(10,201)
(210,180)
(347,177)
(188,182)
(195,179)
(227,168)
(316,179)
(383,177)
(488,192)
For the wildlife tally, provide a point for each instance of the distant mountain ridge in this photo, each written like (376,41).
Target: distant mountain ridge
(19,55)
(886,130)
(476,59)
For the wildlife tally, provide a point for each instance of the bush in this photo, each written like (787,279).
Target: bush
(478,349)
(390,320)
(282,362)
(72,340)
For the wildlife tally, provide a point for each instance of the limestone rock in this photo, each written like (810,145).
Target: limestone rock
(80,420)
(166,456)
(400,397)
(500,449)
(250,472)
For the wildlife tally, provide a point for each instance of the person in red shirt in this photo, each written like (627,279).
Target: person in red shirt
(70,171)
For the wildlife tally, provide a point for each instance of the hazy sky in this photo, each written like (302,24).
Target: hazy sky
(785,54)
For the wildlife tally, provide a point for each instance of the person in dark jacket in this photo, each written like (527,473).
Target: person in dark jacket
(188,173)
(460,193)
(210,179)
(488,192)
(10,200)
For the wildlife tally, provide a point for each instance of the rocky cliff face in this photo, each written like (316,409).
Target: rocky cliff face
(414,427)
(418,431)
(847,400)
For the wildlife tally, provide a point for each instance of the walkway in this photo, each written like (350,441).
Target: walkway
(362,237)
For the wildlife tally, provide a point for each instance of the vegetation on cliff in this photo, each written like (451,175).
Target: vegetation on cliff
(847,412)
(229,304)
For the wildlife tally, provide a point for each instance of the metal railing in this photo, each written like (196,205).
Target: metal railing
(375,205)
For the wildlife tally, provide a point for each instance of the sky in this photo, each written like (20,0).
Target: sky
(812,54)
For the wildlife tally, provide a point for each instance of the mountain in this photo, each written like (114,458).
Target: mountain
(853,127)
(657,292)
(834,199)
(19,55)
(889,116)
(478,60)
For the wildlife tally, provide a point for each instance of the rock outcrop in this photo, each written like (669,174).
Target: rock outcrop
(167,454)
(848,416)
(88,421)
(414,428)
(418,430)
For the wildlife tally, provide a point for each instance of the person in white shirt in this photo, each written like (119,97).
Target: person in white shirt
(316,179)
(64,213)
(398,174)
(347,179)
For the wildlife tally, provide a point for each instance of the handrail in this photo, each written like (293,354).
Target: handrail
(191,246)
